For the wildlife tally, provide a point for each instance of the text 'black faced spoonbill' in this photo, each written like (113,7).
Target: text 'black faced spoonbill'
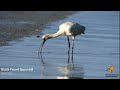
(67,29)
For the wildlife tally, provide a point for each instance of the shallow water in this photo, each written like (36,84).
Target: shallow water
(94,52)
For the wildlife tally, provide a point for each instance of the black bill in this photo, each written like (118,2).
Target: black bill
(41,47)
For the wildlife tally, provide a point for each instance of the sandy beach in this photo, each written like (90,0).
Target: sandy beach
(18,24)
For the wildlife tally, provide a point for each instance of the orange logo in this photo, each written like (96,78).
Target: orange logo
(111,68)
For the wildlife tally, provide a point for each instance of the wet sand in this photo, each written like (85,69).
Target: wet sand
(17,24)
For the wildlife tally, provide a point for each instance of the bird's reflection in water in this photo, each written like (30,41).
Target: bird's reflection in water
(66,71)
(71,71)
(69,56)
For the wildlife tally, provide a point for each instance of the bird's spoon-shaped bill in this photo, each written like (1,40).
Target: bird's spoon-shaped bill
(41,46)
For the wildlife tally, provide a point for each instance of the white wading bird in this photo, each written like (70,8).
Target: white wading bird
(67,29)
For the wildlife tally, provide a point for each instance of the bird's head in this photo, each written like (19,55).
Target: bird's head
(45,37)
(83,30)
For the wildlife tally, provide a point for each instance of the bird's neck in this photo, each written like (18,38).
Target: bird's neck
(55,35)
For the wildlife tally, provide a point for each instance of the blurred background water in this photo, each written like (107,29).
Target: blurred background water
(94,52)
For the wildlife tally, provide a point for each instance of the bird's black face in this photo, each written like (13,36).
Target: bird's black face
(45,37)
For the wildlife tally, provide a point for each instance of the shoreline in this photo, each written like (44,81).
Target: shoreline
(18,24)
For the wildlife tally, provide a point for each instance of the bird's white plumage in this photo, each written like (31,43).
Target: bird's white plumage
(67,29)
(71,29)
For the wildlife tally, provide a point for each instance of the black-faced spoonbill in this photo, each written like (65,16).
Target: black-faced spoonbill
(67,29)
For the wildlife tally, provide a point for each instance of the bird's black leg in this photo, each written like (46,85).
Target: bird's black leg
(68,49)
(68,42)
(72,48)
